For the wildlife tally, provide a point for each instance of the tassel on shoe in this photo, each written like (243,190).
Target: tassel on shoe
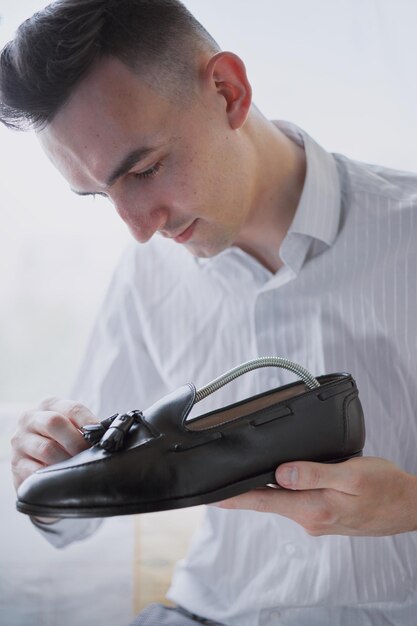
(94,432)
(114,437)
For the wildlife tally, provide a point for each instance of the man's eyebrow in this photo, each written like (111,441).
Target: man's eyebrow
(124,166)
(128,162)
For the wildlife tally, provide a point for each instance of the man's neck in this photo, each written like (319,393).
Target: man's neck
(280,166)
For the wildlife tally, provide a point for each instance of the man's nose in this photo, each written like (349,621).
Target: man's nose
(142,221)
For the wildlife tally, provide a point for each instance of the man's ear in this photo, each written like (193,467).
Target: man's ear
(226,72)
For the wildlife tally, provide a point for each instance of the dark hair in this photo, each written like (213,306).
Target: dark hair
(54,49)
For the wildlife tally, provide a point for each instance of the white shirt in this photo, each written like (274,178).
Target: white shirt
(344,300)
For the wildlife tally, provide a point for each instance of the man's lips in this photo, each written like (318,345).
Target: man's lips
(183,235)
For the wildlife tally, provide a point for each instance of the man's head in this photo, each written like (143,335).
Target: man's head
(54,49)
(133,100)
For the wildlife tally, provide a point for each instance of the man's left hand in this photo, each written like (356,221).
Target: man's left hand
(362,496)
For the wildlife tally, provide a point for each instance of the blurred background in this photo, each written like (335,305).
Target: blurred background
(344,70)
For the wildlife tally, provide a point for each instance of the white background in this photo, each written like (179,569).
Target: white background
(345,70)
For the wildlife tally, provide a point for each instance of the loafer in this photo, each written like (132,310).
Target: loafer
(157,460)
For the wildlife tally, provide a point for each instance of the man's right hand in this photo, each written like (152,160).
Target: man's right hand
(48,434)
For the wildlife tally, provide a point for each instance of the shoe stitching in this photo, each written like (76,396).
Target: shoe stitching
(189,405)
(181,447)
(306,393)
(110,454)
(346,403)
(103,459)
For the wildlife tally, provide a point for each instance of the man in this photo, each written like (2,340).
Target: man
(294,252)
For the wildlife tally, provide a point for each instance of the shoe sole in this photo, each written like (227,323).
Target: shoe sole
(261,480)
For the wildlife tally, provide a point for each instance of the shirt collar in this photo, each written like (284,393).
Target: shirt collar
(318,211)
(317,216)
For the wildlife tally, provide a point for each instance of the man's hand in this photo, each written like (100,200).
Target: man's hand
(48,434)
(362,496)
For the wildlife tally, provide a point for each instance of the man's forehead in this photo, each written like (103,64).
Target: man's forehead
(111,98)
(108,77)
(104,121)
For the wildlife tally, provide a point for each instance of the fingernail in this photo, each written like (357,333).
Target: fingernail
(288,476)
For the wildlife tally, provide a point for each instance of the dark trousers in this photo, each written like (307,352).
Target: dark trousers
(160,615)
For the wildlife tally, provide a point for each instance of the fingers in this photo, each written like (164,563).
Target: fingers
(364,496)
(41,449)
(31,452)
(313,510)
(55,427)
(47,435)
(312,496)
(260,500)
(304,475)
(268,500)
(301,476)
(76,413)
(22,467)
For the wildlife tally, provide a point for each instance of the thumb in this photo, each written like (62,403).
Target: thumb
(308,475)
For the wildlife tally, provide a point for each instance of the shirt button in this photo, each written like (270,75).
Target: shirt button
(290,549)
(274,616)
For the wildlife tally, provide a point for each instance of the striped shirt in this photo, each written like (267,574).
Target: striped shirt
(345,299)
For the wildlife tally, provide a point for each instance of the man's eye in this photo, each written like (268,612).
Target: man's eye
(152,171)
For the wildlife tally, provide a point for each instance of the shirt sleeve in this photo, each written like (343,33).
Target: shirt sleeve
(65,531)
(117,374)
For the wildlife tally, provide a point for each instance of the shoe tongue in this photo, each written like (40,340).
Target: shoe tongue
(170,411)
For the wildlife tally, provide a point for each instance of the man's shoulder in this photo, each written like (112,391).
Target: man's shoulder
(378,181)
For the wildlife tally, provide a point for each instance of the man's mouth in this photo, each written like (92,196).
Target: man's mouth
(183,235)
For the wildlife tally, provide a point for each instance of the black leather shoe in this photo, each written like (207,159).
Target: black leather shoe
(156,460)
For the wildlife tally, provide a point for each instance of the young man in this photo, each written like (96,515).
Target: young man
(294,252)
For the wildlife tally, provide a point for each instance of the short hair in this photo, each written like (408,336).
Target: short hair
(54,49)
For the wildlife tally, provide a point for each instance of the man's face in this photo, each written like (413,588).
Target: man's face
(168,167)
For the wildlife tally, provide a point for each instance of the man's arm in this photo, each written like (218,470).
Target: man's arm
(366,496)
(117,374)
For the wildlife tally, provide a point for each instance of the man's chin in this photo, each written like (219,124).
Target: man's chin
(204,251)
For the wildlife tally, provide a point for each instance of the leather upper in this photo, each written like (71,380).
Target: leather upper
(167,458)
